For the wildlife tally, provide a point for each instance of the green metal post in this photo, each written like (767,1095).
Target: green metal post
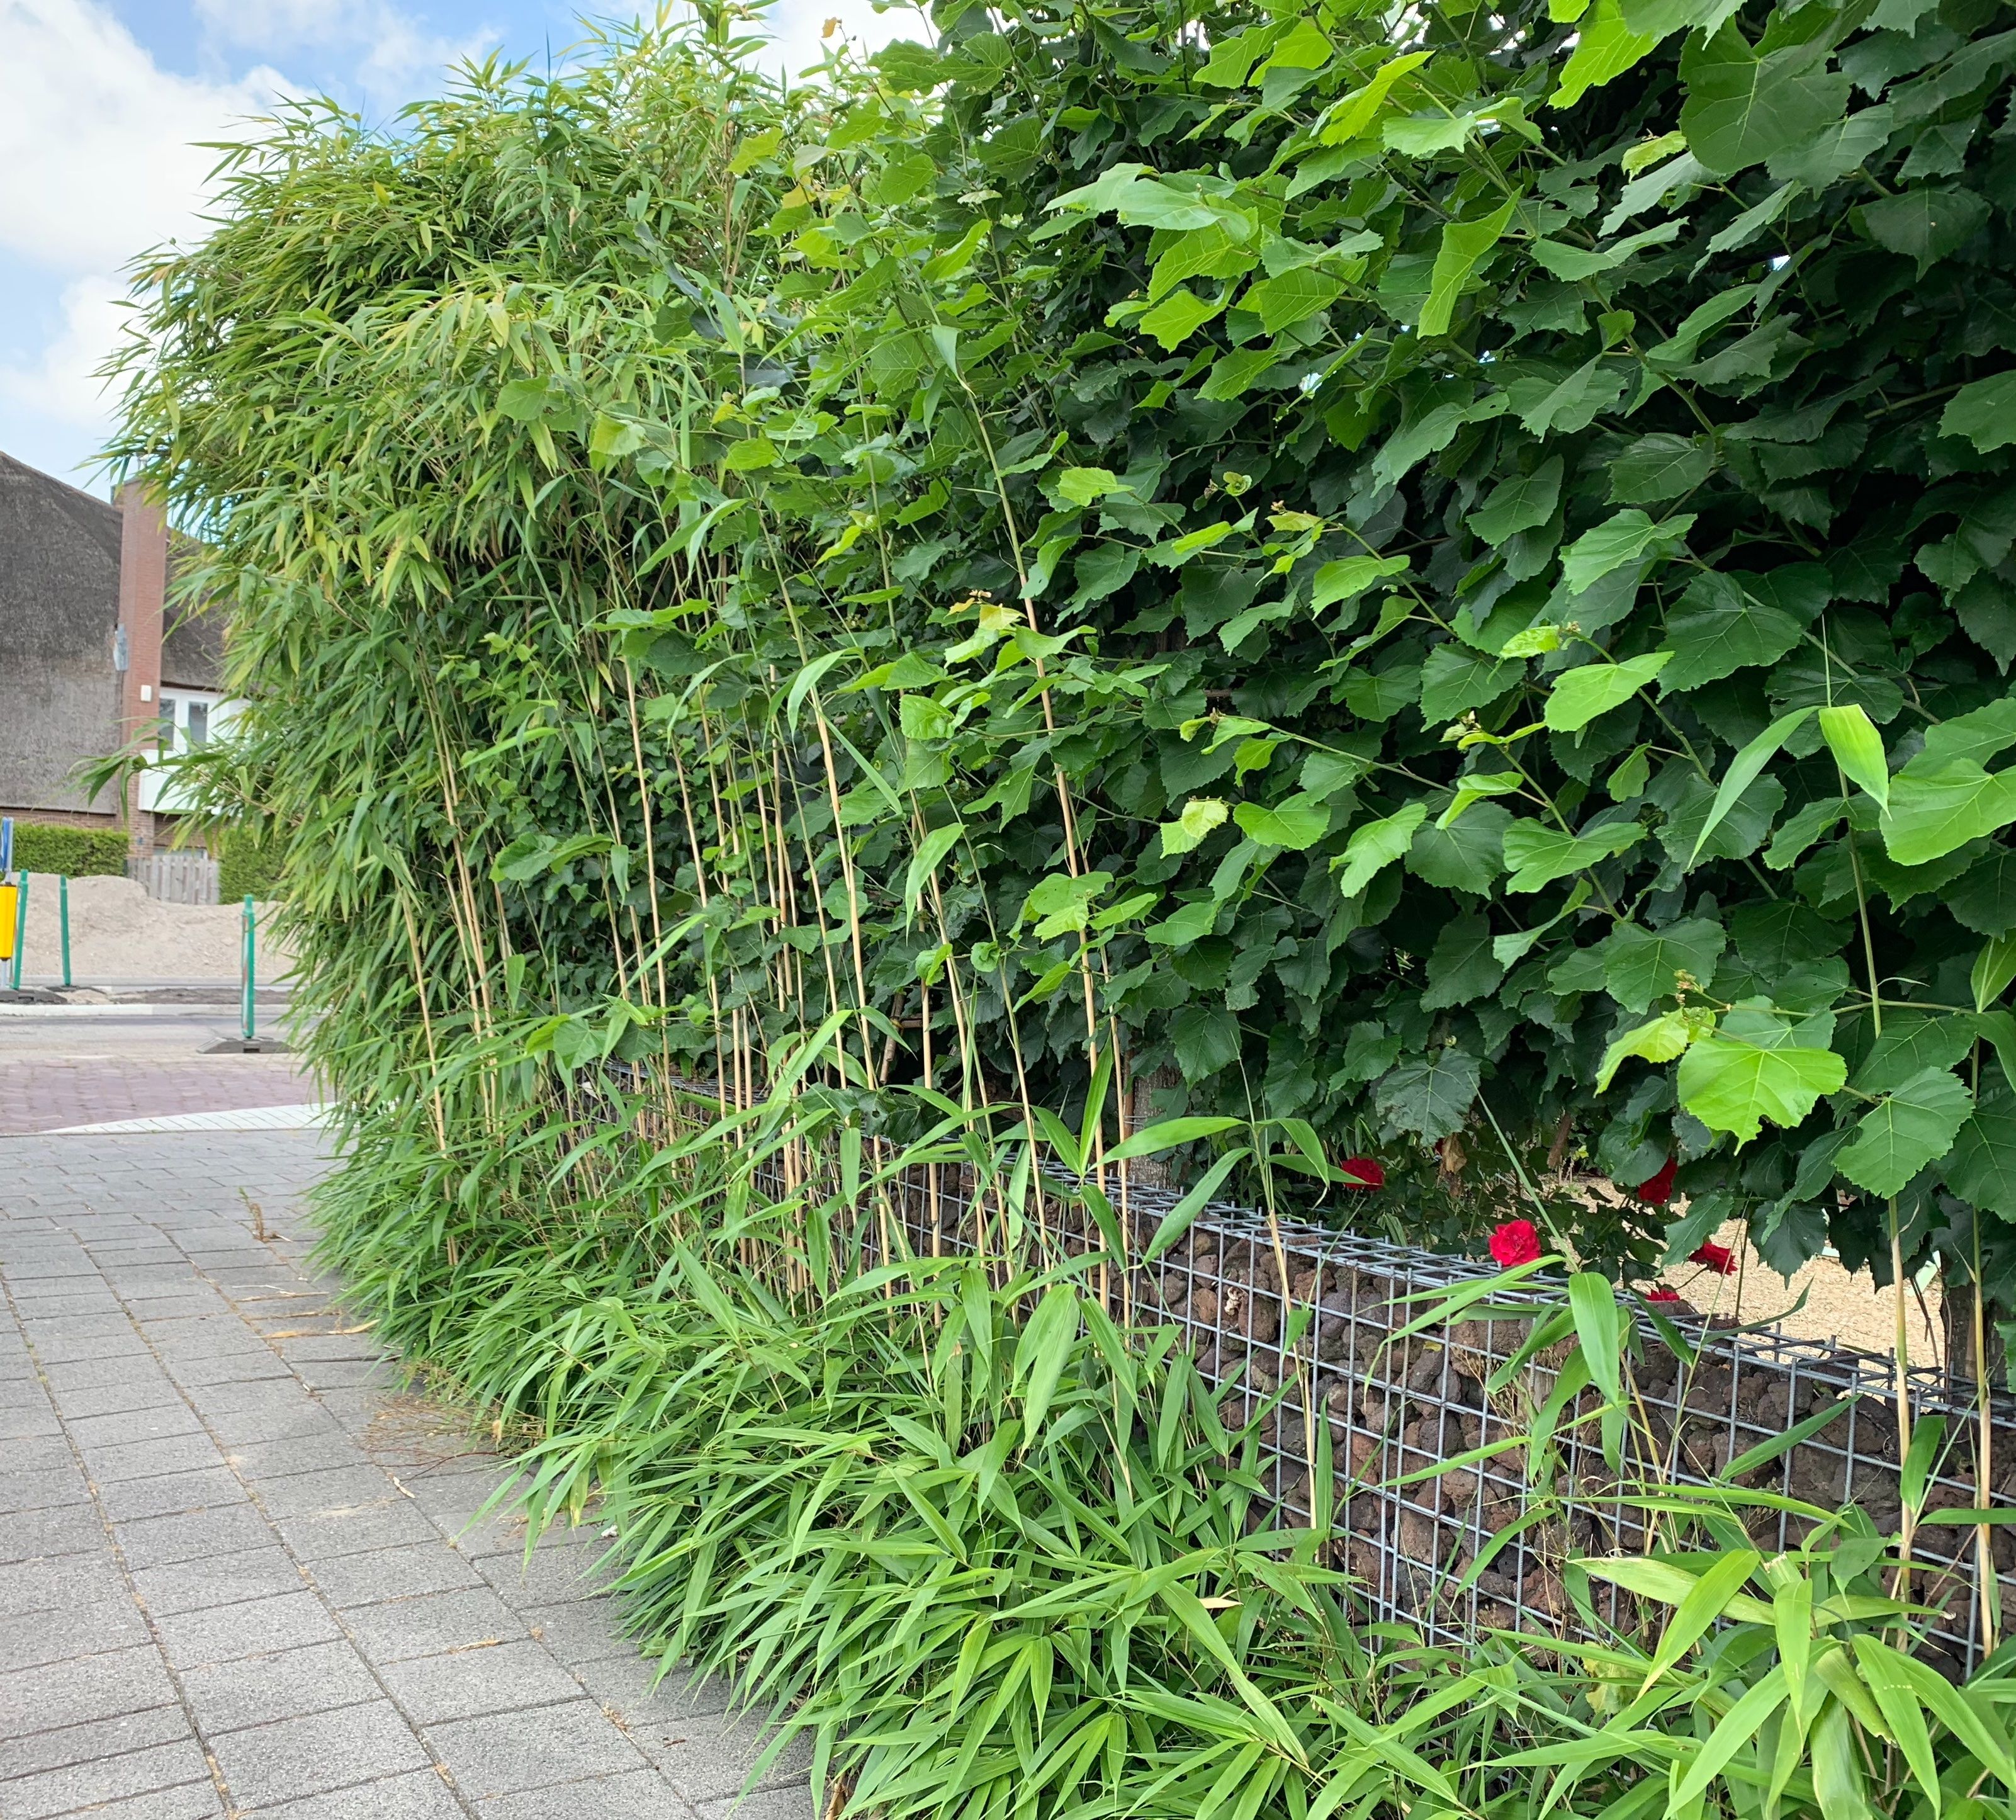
(20,927)
(251,983)
(63,919)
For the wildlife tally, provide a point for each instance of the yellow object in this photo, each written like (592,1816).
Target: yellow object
(9,908)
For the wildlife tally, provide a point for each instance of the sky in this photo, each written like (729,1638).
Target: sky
(102,104)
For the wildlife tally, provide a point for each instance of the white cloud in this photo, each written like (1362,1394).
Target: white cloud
(390,50)
(60,384)
(98,141)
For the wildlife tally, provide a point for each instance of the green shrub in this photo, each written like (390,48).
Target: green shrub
(82,852)
(247,865)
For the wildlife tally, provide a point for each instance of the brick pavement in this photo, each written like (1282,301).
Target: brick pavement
(241,1570)
(47,1095)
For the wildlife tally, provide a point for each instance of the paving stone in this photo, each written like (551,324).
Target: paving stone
(506,1753)
(171,1494)
(55,1748)
(225,1633)
(218,1579)
(63,1529)
(308,1754)
(641,1794)
(468,1683)
(351,1529)
(255,1690)
(31,1638)
(60,1582)
(431,1625)
(302,1494)
(91,1432)
(420,1794)
(90,1786)
(150,1459)
(82,1689)
(20,1491)
(349,1580)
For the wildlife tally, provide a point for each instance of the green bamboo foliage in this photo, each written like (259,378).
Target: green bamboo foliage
(645,497)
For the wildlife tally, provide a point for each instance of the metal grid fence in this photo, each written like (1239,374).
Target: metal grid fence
(1413,1537)
(1478,1545)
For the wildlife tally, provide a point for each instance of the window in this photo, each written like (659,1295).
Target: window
(199,723)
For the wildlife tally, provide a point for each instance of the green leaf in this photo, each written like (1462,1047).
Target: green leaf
(1455,678)
(1605,48)
(1374,845)
(1661,1040)
(1857,747)
(1717,629)
(1347,578)
(1641,964)
(1742,109)
(1538,855)
(1619,540)
(1200,815)
(1465,246)
(1939,808)
(1290,298)
(1570,404)
(1192,922)
(1994,967)
(1206,1040)
(1982,1167)
(1462,967)
(1431,1096)
(1519,502)
(1579,695)
(1179,316)
(1925,224)
(1082,486)
(1042,1352)
(1467,856)
(1911,1043)
(1905,1130)
(1297,823)
(1984,413)
(1752,1070)
(1744,770)
(1660,467)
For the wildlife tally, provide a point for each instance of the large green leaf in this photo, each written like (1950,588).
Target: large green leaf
(1742,108)
(1431,1096)
(1939,808)
(1376,845)
(1465,245)
(1660,467)
(1537,854)
(1984,413)
(1518,503)
(1925,224)
(1579,695)
(1907,1129)
(1758,1066)
(1206,1040)
(1620,540)
(1641,964)
(1716,628)
(1983,1166)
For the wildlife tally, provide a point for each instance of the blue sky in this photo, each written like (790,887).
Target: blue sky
(101,99)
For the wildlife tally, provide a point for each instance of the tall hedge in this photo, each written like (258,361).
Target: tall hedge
(1445,576)
(82,852)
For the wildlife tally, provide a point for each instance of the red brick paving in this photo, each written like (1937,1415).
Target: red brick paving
(46,1096)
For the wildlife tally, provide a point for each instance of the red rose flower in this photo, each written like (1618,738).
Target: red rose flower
(1718,1258)
(1659,1189)
(1516,1242)
(1363,1172)
(1659,1292)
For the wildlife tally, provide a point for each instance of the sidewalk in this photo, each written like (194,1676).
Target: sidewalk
(240,1571)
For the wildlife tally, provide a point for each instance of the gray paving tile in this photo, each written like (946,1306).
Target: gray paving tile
(370,1579)
(218,1579)
(791,1803)
(506,1753)
(91,1432)
(20,1491)
(301,1492)
(226,1633)
(307,1755)
(388,1522)
(468,1683)
(34,1751)
(63,1529)
(60,1582)
(83,1688)
(33,1637)
(215,1531)
(432,1624)
(255,1690)
(171,1494)
(641,1794)
(419,1794)
(91,1786)
(150,1459)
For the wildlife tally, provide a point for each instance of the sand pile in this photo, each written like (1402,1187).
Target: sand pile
(117,932)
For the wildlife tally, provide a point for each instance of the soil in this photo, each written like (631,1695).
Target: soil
(117,931)
(1840,1304)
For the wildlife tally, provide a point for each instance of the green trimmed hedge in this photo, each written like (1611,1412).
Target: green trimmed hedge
(248,866)
(82,852)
